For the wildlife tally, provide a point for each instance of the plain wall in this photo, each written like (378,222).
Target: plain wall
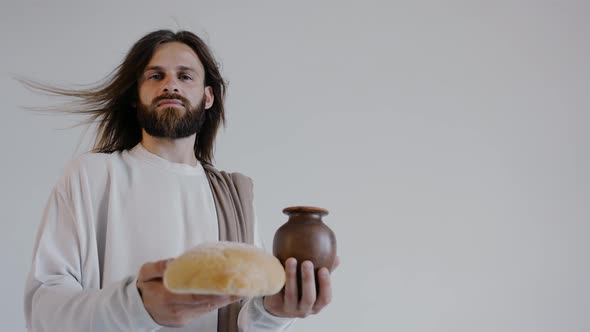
(449,140)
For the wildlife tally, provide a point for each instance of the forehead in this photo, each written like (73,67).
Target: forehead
(174,54)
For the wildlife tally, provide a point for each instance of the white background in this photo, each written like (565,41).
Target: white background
(449,140)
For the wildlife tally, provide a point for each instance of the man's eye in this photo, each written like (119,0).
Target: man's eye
(154,77)
(185,77)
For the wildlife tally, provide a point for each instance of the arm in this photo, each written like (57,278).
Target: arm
(277,312)
(63,291)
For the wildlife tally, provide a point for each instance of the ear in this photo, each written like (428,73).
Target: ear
(209,98)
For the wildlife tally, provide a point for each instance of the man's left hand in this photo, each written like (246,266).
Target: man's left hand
(287,303)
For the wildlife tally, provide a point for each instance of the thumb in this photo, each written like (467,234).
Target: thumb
(153,270)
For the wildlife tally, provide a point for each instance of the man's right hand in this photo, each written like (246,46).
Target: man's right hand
(169,309)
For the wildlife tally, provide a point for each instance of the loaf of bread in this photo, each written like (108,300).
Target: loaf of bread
(225,268)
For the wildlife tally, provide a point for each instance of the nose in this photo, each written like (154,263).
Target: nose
(170,85)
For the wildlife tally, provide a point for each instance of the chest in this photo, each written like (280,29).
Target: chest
(154,216)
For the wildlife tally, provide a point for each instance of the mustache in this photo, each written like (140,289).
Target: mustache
(184,101)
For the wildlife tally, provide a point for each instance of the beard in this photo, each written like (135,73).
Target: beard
(171,122)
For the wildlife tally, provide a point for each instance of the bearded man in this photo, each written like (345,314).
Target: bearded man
(146,193)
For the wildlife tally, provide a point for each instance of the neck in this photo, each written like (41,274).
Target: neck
(176,150)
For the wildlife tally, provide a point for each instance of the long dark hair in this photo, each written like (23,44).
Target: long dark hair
(109,104)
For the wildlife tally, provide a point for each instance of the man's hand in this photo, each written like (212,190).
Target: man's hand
(169,309)
(287,304)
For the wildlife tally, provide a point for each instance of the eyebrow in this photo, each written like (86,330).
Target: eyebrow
(160,68)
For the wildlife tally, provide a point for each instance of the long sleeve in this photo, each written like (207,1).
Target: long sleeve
(108,215)
(63,291)
(254,318)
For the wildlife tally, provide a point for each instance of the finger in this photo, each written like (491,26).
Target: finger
(236,298)
(210,305)
(325,296)
(336,263)
(153,270)
(291,289)
(307,287)
(196,299)
(229,300)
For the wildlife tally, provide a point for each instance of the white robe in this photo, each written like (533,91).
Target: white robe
(108,215)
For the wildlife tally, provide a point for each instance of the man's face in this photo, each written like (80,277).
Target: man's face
(172,95)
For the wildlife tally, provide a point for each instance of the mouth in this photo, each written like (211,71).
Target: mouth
(170,102)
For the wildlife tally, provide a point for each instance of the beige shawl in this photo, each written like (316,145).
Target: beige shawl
(233,197)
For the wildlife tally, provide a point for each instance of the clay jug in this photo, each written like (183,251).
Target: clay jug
(305,237)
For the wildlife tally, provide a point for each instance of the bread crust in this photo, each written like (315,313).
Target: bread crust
(225,268)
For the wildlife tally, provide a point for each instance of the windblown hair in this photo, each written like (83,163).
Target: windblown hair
(110,104)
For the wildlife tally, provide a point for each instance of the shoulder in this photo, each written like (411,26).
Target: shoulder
(92,163)
(87,169)
(237,180)
(212,171)
(241,178)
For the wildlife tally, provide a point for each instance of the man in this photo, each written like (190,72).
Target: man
(147,193)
